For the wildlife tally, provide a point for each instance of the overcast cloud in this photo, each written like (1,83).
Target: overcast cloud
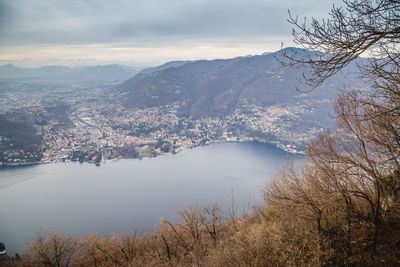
(146,31)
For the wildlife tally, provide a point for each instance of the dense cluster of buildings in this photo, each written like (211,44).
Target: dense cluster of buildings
(97,131)
(109,129)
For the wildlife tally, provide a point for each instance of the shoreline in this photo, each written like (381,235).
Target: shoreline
(5,165)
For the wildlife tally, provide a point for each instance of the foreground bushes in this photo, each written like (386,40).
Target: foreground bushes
(277,236)
(254,240)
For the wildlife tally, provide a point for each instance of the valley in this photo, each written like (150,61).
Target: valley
(166,109)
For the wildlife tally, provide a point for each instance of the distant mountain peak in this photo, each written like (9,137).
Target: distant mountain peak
(8,66)
(293,49)
(298,52)
(112,72)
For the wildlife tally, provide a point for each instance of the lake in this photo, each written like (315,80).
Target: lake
(81,198)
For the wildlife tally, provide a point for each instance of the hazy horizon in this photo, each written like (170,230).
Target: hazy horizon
(144,33)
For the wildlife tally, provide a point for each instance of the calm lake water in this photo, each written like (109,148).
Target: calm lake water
(131,193)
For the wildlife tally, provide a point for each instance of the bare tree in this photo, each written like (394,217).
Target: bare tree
(362,27)
(55,250)
(348,189)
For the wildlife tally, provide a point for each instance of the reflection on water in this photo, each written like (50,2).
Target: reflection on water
(121,195)
(11,176)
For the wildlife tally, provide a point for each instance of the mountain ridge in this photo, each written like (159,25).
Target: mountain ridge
(111,72)
(217,87)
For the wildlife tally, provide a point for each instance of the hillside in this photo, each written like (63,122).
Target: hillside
(17,138)
(217,87)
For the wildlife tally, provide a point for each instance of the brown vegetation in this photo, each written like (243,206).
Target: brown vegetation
(201,239)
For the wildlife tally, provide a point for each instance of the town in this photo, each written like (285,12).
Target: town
(89,126)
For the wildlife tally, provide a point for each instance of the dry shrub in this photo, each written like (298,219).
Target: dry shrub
(54,250)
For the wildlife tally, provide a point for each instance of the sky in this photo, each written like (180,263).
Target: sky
(145,32)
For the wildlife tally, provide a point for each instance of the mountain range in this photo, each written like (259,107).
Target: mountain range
(218,87)
(91,73)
